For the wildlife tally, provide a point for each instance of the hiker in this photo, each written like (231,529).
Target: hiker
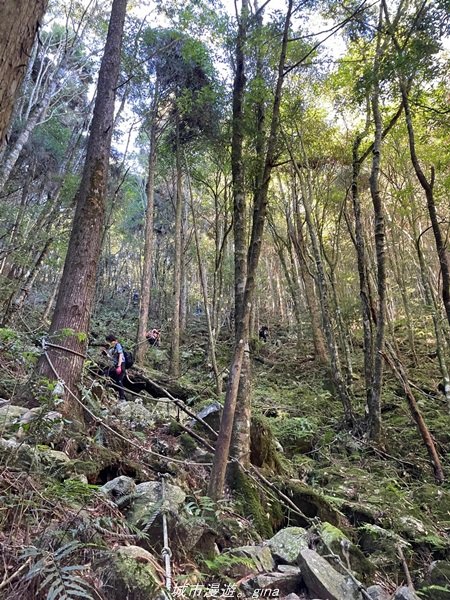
(264,333)
(135,298)
(118,371)
(153,337)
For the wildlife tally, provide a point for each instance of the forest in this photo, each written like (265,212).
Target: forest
(225,299)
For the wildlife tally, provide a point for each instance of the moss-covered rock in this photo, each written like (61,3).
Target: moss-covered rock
(148,497)
(263,451)
(312,504)
(260,556)
(133,575)
(287,543)
(350,555)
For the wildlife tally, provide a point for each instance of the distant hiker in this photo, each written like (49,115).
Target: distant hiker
(116,354)
(264,333)
(135,298)
(153,337)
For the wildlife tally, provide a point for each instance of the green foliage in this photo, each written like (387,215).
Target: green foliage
(295,434)
(71,491)
(56,578)
(223,562)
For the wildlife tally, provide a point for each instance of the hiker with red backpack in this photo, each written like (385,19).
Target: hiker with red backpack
(119,357)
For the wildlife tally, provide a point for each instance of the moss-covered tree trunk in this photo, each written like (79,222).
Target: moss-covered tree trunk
(70,323)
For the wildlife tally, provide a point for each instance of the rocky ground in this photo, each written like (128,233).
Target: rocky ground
(341,520)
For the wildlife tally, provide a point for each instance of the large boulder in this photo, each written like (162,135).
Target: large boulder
(211,414)
(287,543)
(18,455)
(332,538)
(39,425)
(134,415)
(148,498)
(119,488)
(133,575)
(323,581)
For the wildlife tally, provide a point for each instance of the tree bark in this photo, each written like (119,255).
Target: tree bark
(70,323)
(18,26)
(146,281)
(374,403)
(217,480)
(174,368)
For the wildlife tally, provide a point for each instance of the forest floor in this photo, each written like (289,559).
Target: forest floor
(382,498)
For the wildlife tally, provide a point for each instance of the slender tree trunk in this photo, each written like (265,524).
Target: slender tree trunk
(146,281)
(70,323)
(18,26)
(174,368)
(374,405)
(428,187)
(427,184)
(204,286)
(36,117)
(299,242)
(217,480)
(335,363)
(360,247)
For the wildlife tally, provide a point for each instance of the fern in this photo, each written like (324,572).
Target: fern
(58,580)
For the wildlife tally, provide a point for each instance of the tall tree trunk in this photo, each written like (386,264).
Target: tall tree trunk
(204,287)
(18,26)
(146,281)
(174,368)
(72,314)
(299,242)
(374,404)
(364,293)
(427,184)
(217,480)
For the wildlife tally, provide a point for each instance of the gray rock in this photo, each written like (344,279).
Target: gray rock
(323,581)
(10,415)
(148,497)
(285,583)
(211,414)
(376,592)
(38,426)
(19,455)
(134,415)
(287,544)
(260,555)
(291,569)
(404,593)
(292,597)
(118,487)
